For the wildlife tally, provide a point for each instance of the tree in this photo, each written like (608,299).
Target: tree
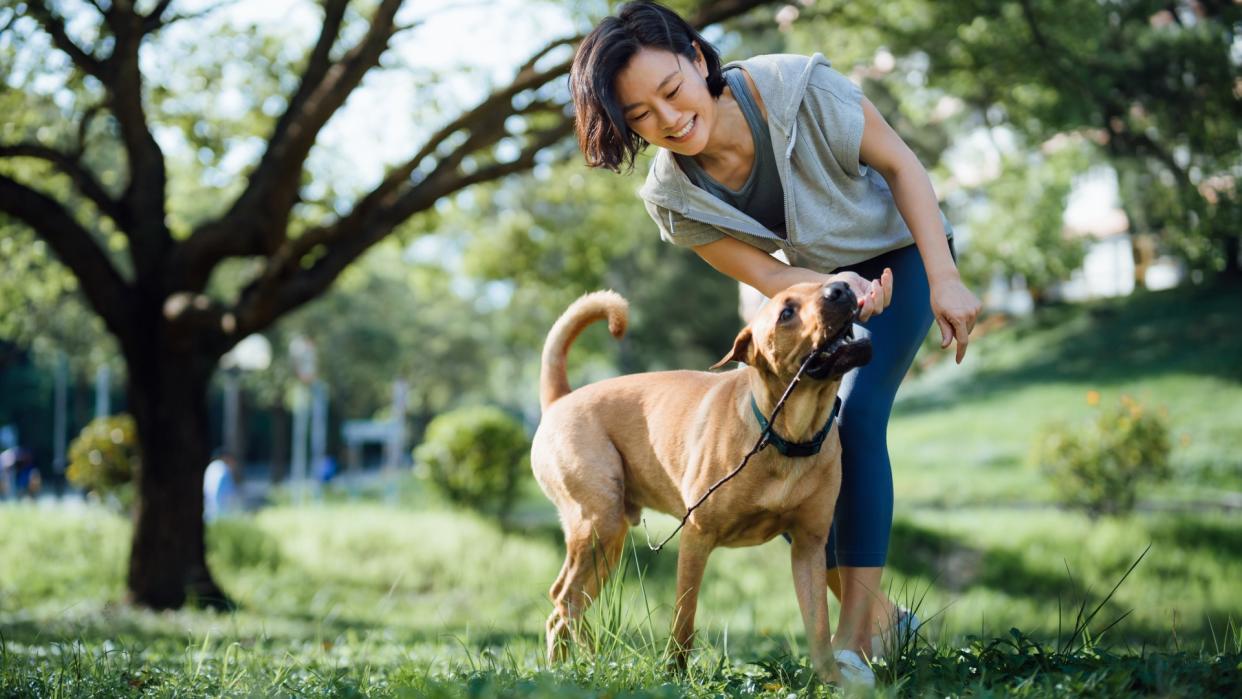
(148,274)
(1018,228)
(1152,82)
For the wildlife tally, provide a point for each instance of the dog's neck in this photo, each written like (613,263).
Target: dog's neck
(805,410)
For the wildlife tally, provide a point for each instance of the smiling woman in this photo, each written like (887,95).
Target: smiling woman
(784,153)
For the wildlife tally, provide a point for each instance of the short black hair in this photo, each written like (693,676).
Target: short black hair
(604,136)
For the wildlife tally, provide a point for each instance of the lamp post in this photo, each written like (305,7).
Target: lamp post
(302,354)
(103,381)
(253,353)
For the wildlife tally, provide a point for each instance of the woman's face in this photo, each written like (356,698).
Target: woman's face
(666,101)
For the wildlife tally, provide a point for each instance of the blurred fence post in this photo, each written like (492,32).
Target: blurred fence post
(395,447)
(232,408)
(103,399)
(60,417)
(319,429)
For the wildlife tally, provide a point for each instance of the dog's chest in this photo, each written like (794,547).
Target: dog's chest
(772,504)
(786,485)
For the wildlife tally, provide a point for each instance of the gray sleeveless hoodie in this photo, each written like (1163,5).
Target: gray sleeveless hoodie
(837,211)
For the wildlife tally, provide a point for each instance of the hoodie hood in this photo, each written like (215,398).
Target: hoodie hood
(781,80)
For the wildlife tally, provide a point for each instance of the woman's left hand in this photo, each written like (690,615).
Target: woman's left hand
(956,309)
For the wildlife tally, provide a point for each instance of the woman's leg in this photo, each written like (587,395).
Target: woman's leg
(858,544)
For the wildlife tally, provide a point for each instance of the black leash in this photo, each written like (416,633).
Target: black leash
(759,446)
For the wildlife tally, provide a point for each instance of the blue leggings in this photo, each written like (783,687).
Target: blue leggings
(864,515)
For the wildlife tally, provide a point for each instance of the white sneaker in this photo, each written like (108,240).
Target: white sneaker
(854,669)
(899,633)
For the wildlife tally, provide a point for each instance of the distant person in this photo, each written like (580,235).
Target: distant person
(221,491)
(326,469)
(19,477)
(8,459)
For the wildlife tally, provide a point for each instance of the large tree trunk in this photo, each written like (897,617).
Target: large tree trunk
(168,398)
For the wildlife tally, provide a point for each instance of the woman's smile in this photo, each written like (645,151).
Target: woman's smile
(683,133)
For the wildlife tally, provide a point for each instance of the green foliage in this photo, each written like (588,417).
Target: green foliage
(1017,228)
(390,317)
(1129,74)
(475,456)
(552,236)
(1099,469)
(104,456)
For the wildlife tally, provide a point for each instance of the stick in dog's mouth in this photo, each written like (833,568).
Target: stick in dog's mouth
(841,346)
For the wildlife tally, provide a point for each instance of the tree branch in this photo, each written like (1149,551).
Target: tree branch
(70,165)
(257,221)
(288,284)
(54,25)
(289,281)
(145,193)
(718,11)
(496,107)
(102,285)
(154,20)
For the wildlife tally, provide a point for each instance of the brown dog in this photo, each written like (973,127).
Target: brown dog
(605,451)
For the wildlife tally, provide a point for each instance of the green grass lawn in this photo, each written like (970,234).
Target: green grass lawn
(359,597)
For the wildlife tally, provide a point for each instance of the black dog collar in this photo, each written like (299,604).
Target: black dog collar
(795,449)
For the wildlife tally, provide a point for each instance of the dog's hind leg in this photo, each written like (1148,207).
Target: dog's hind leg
(592,551)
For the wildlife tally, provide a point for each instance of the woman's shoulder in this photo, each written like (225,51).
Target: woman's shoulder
(781,79)
(775,66)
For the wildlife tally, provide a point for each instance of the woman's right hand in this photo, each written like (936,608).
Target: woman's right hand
(873,295)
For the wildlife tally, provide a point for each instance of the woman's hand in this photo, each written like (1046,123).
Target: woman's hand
(956,309)
(873,295)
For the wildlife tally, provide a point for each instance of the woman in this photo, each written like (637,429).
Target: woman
(784,153)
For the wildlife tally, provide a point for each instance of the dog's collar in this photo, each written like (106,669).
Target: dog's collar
(787,448)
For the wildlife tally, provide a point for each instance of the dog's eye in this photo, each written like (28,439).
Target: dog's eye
(787,313)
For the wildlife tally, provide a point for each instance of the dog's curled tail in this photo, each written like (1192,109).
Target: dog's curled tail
(597,305)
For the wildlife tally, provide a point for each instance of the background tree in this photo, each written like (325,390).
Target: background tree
(1153,83)
(1017,227)
(147,271)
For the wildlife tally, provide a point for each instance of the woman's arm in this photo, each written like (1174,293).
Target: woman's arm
(954,306)
(754,267)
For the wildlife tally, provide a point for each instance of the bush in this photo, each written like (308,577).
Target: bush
(104,456)
(236,544)
(1099,468)
(475,456)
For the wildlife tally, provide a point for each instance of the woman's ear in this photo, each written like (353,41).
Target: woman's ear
(740,352)
(699,62)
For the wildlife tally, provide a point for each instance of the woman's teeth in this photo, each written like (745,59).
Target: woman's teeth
(686,130)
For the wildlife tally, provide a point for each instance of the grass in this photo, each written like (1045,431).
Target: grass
(371,597)
(363,599)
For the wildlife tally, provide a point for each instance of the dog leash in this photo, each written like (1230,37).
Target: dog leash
(764,438)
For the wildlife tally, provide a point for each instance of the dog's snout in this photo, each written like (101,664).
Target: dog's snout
(837,293)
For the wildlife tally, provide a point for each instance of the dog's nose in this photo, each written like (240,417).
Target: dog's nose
(836,292)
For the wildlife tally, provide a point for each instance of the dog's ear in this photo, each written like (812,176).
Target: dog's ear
(740,351)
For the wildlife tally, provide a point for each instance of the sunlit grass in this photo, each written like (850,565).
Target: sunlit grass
(363,598)
(396,594)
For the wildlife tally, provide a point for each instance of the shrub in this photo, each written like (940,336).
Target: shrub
(235,544)
(104,456)
(475,456)
(1099,468)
